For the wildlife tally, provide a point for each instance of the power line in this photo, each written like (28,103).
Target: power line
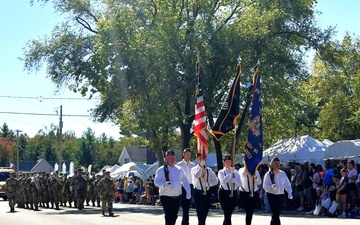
(44,114)
(40,98)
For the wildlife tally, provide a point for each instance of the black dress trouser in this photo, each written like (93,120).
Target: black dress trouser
(227,203)
(171,208)
(202,204)
(275,202)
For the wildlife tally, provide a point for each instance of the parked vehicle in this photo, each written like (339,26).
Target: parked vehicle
(4,175)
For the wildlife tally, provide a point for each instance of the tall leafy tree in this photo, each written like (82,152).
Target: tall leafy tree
(139,55)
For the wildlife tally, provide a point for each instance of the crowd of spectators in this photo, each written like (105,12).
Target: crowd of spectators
(332,190)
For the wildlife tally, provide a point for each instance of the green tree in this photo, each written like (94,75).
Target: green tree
(334,89)
(140,57)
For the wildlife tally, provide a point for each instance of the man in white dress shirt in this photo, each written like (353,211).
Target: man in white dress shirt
(186,165)
(203,178)
(275,182)
(170,178)
(229,182)
(249,192)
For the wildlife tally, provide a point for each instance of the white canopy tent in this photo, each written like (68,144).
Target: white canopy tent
(122,170)
(347,149)
(296,149)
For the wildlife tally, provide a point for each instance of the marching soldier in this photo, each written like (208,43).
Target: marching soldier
(35,192)
(20,197)
(92,188)
(55,186)
(29,190)
(79,187)
(107,190)
(64,194)
(25,191)
(96,190)
(12,186)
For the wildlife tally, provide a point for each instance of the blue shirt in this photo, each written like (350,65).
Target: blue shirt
(328,176)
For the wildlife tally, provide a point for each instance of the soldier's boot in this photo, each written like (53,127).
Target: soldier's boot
(87,203)
(11,210)
(93,204)
(111,213)
(52,205)
(57,206)
(61,204)
(32,206)
(26,206)
(64,204)
(36,207)
(47,205)
(70,205)
(103,212)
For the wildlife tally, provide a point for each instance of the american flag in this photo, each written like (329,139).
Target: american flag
(200,117)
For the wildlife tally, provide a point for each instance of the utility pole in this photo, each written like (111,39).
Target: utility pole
(17,152)
(60,140)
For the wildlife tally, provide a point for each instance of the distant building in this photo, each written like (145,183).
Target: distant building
(34,166)
(137,154)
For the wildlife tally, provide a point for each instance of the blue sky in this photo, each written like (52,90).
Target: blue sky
(21,23)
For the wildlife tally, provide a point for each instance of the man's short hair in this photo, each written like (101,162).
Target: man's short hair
(276,159)
(170,152)
(198,154)
(186,150)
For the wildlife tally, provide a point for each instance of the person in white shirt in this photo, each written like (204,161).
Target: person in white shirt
(170,179)
(203,178)
(249,192)
(229,182)
(275,182)
(186,165)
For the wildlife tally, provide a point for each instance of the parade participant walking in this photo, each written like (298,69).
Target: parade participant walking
(249,192)
(275,181)
(170,178)
(107,190)
(11,188)
(203,178)
(79,186)
(229,183)
(186,165)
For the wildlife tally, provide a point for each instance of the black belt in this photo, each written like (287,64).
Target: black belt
(171,197)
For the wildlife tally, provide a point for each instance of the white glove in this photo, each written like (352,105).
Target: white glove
(167,185)
(188,196)
(232,170)
(273,187)
(202,163)
(233,180)
(290,197)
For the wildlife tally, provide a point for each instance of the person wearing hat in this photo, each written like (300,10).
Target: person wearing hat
(186,165)
(170,178)
(11,189)
(107,190)
(275,182)
(79,186)
(203,178)
(229,183)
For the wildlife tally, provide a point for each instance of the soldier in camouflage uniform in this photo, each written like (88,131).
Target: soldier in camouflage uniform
(88,196)
(45,190)
(67,189)
(20,197)
(11,188)
(29,190)
(50,190)
(55,186)
(92,188)
(64,195)
(96,190)
(25,191)
(79,188)
(35,191)
(107,190)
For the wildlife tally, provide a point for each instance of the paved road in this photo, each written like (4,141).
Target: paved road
(127,214)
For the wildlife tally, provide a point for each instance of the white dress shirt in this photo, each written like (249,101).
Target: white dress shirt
(247,181)
(177,179)
(187,169)
(282,182)
(227,180)
(207,181)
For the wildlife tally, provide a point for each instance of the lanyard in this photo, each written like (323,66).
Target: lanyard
(207,180)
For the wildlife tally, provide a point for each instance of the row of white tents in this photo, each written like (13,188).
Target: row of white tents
(297,149)
(307,148)
(131,169)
